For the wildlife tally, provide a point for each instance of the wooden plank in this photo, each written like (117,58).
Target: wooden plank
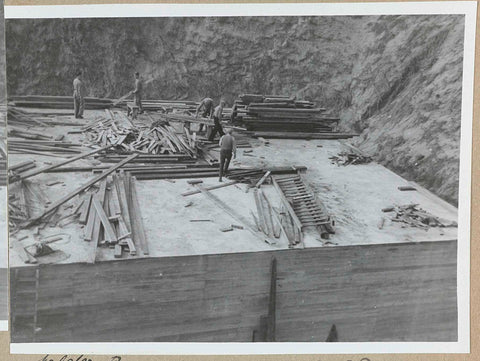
(235,215)
(59,164)
(140,230)
(272,302)
(80,189)
(210,188)
(85,209)
(110,235)
(261,216)
(260,182)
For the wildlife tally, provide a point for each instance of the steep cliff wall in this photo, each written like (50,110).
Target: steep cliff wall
(397,79)
(2,54)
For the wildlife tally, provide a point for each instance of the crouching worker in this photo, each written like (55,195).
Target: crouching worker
(228,147)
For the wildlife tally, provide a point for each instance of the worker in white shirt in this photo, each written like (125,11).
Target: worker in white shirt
(228,147)
(78,95)
(217,118)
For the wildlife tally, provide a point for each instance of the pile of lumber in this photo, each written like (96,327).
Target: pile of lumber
(112,218)
(347,158)
(159,139)
(266,220)
(66,102)
(414,216)
(164,106)
(20,117)
(253,175)
(56,102)
(281,114)
(42,147)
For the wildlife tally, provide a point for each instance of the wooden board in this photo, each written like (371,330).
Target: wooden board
(390,292)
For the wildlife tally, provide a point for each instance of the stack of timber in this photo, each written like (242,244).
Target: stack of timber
(281,114)
(56,102)
(246,175)
(159,139)
(146,169)
(414,216)
(253,175)
(163,106)
(112,217)
(301,207)
(20,117)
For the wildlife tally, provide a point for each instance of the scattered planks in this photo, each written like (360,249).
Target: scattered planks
(161,139)
(80,189)
(347,158)
(414,216)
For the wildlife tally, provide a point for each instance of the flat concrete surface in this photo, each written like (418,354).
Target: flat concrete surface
(390,292)
(354,195)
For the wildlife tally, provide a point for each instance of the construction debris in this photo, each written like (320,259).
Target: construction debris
(347,158)
(414,216)
(161,139)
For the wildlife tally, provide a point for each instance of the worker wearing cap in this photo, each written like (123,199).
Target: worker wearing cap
(137,92)
(228,146)
(78,95)
(217,117)
(207,105)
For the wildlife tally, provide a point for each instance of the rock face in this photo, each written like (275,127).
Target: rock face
(2,55)
(395,79)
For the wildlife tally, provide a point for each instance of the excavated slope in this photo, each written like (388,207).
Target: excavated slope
(395,79)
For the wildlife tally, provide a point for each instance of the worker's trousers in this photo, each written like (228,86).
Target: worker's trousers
(138,102)
(225,157)
(78,106)
(216,128)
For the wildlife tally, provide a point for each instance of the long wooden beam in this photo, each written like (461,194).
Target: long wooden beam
(272,302)
(235,215)
(56,165)
(80,189)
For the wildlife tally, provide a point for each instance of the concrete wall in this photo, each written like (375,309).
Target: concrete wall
(400,292)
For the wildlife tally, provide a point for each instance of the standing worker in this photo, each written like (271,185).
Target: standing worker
(227,147)
(78,95)
(217,117)
(137,92)
(207,105)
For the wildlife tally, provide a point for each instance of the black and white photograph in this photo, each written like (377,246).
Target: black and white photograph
(280,177)
(3,185)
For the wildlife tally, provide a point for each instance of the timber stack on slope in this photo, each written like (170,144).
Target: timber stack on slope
(282,113)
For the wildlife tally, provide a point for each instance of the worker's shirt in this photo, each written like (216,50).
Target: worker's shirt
(227,142)
(218,112)
(78,90)
(138,87)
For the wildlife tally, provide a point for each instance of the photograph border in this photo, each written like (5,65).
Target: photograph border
(467,8)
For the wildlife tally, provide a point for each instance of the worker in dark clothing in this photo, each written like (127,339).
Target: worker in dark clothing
(207,106)
(217,118)
(78,95)
(228,146)
(137,92)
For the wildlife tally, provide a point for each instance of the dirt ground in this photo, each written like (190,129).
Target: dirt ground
(354,195)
